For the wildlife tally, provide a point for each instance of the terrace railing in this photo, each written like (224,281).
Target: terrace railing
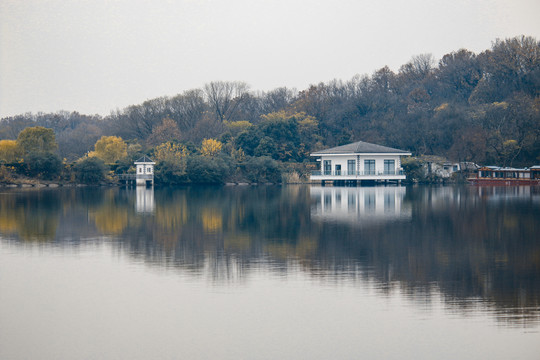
(356,173)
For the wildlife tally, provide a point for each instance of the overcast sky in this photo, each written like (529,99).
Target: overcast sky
(99,55)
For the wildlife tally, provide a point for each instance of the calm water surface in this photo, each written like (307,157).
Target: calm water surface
(297,272)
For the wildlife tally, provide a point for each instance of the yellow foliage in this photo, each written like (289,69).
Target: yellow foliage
(510,143)
(9,151)
(236,127)
(502,104)
(279,115)
(169,152)
(211,147)
(110,149)
(441,107)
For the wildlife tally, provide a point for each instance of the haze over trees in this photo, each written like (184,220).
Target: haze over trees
(482,107)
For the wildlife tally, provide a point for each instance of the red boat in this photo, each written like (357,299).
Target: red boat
(493,175)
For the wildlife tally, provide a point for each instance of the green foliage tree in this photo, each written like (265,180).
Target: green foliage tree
(281,136)
(262,170)
(413,170)
(89,170)
(46,166)
(37,139)
(207,170)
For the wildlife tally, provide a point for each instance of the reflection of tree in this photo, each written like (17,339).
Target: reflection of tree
(453,241)
(9,214)
(212,220)
(33,215)
(110,220)
(111,216)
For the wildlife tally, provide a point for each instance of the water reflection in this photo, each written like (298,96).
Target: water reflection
(359,206)
(474,246)
(145,200)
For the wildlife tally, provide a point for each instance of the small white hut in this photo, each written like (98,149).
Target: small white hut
(145,171)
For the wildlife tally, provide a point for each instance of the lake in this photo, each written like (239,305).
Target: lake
(270,272)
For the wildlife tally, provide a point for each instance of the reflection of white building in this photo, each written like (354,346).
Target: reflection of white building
(144,202)
(360,205)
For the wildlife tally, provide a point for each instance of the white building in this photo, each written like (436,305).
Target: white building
(145,171)
(359,161)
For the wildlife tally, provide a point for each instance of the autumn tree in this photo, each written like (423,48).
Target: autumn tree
(171,163)
(167,131)
(236,127)
(211,147)
(9,151)
(110,149)
(37,139)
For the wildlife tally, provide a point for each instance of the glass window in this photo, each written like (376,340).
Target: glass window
(338,169)
(389,167)
(327,167)
(351,164)
(369,167)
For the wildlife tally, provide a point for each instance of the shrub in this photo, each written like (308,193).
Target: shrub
(262,169)
(43,165)
(206,170)
(90,170)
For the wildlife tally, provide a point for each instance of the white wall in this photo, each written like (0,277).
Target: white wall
(146,169)
(342,160)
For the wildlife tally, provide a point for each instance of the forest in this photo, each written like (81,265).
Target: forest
(482,108)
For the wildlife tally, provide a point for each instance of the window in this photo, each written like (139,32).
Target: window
(338,169)
(389,167)
(327,167)
(351,164)
(140,170)
(149,170)
(369,167)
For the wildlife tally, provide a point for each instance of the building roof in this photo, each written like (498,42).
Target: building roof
(145,160)
(360,147)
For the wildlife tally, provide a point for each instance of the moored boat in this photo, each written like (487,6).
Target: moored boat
(494,175)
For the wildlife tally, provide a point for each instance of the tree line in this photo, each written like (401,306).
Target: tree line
(483,108)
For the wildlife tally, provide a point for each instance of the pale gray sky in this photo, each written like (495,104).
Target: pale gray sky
(94,56)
